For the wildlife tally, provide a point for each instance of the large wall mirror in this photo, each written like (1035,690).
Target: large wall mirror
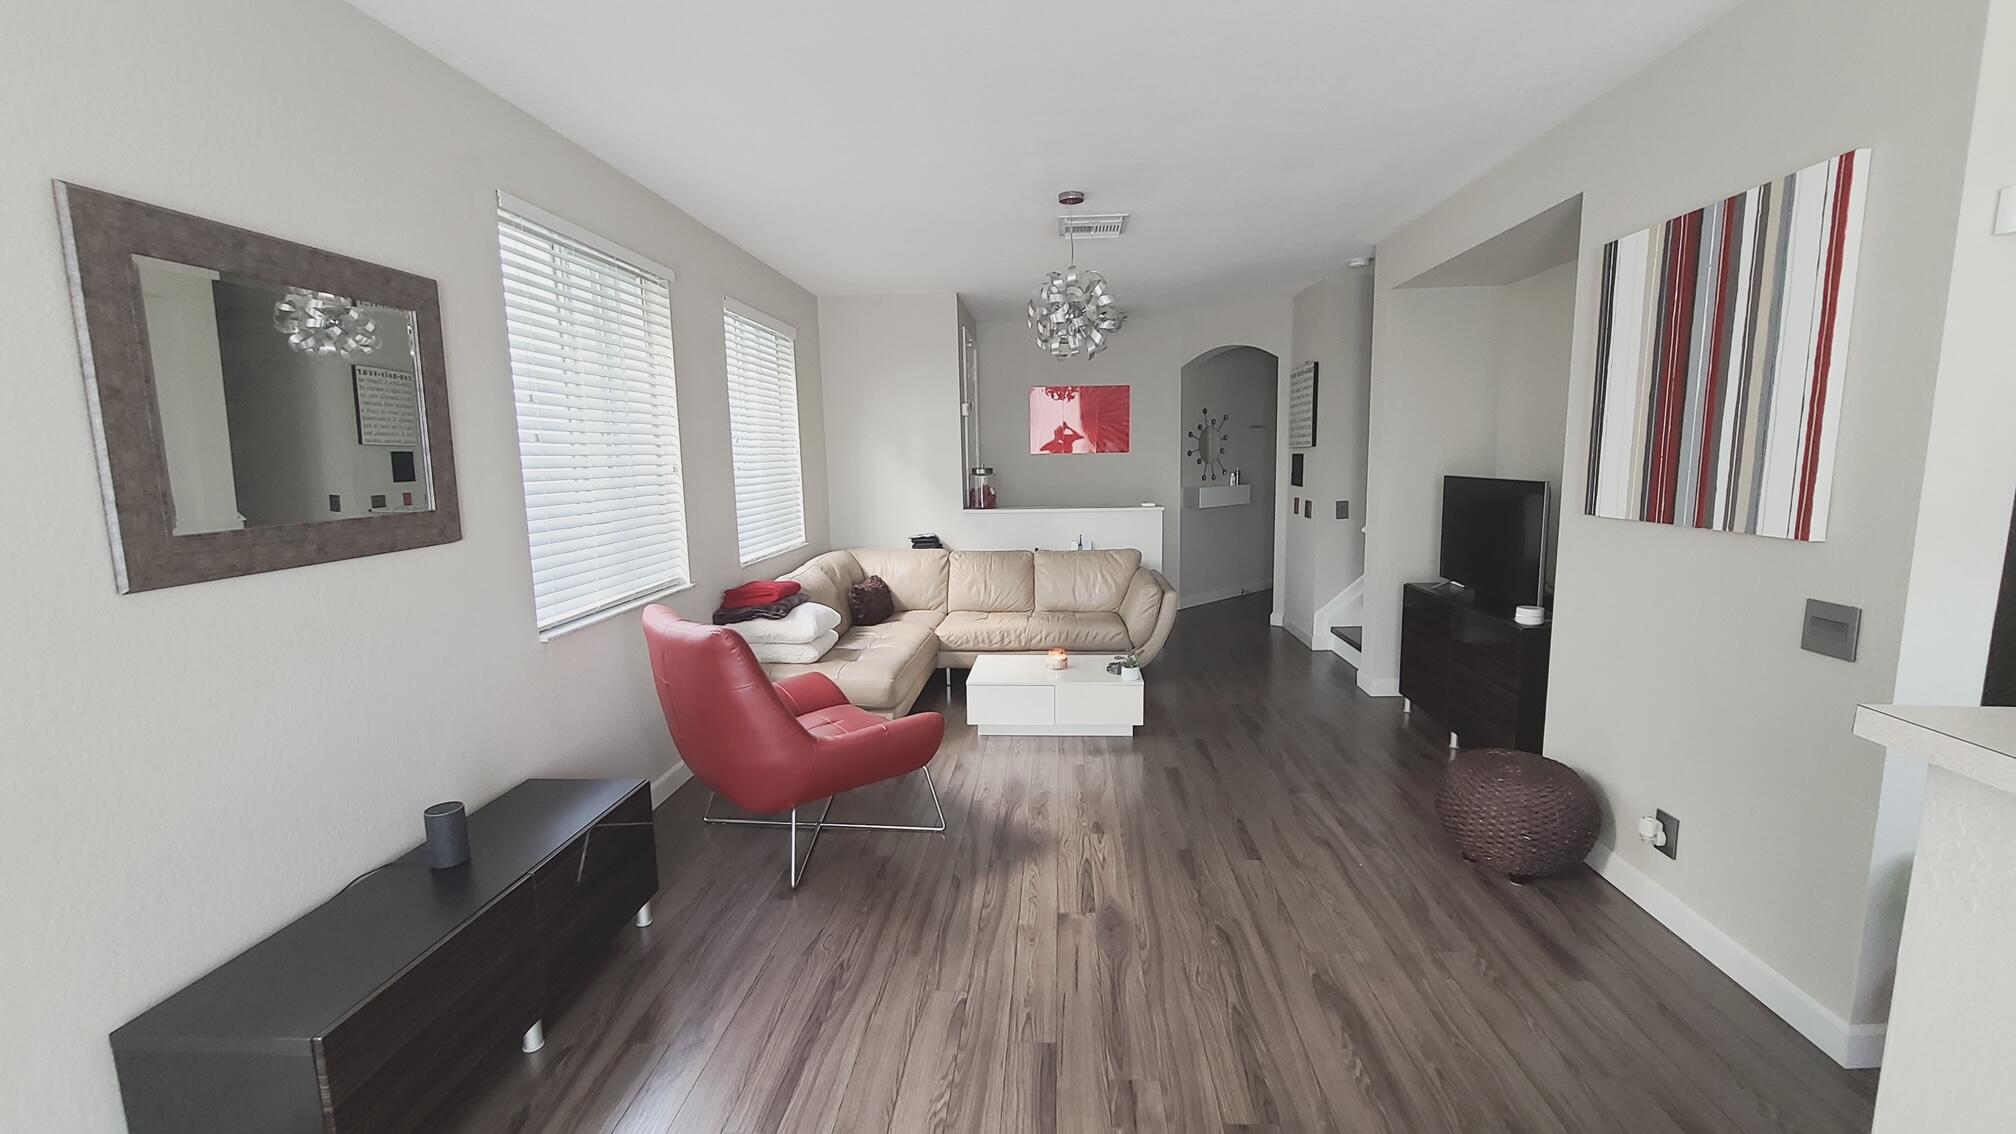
(257,404)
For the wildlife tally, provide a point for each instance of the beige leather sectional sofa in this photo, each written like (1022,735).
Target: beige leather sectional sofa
(953,606)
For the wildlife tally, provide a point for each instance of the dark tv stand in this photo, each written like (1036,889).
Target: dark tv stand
(1466,663)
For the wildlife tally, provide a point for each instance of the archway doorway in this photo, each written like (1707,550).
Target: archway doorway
(1226,533)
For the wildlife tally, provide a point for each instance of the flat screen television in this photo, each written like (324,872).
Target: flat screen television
(1494,535)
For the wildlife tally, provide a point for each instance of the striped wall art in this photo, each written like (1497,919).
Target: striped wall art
(1720,351)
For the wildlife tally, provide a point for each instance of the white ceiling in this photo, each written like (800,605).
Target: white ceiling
(867,146)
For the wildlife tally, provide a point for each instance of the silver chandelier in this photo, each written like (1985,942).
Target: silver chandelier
(316,322)
(1073,312)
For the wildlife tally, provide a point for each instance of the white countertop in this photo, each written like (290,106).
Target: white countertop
(1978,742)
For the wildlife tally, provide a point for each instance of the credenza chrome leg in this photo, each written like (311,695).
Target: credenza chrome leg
(535,1037)
(644,916)
(1406,705)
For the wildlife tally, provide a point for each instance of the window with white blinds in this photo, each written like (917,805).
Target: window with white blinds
(763,426)
(598,418)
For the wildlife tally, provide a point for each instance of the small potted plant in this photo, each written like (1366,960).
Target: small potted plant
(1130,667)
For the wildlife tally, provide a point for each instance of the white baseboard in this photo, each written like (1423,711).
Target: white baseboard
(1858,1045)
(669,782)
(1186,599)
(1379,686)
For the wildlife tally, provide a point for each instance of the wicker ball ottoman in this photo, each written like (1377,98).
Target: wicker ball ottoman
(1518,813)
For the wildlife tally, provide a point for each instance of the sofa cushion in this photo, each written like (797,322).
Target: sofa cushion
(877,667)
(1084,580)
(916,575)
(991,580)
(1013,630)
(825,579)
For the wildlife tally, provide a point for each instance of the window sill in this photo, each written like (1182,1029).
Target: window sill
(779,553)
(587,620)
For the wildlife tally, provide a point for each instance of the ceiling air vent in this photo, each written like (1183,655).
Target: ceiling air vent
(1092,226)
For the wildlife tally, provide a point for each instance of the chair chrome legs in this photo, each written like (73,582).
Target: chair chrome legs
(797,870)
(534,1038)
(798,865)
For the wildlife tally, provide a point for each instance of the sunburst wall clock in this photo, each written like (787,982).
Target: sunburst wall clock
(1207,444)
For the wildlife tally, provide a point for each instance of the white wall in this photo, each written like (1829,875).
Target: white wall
(188,769)
(1434,412)
(1145,355)
(891,367)
(1535,331)
(1471,381)
(894,438)
(1717,716)
(1956,575)
(1230,551)
(1324,555)
(894,461)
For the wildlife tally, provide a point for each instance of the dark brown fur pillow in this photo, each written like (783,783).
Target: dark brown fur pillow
(870,601)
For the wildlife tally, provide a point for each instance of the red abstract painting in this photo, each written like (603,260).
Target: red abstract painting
(1079,419)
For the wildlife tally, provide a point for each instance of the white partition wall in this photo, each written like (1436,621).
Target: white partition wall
(1058,529)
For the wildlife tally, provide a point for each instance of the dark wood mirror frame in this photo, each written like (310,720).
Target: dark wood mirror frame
(101,235)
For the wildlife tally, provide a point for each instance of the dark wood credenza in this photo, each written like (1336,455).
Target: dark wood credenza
(368,1012)
(1471,667)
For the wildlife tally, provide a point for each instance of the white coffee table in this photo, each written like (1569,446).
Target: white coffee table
(1020,695)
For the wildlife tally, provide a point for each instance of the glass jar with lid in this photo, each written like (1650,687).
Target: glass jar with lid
(980,487)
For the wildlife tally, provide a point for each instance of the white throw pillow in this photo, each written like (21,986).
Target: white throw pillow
(794,653)
(805,623)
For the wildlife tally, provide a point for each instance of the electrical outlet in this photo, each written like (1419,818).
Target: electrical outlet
(1343,509)
(1671,847)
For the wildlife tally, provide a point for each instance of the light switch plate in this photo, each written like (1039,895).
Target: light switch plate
(1343,509)
(1832,630)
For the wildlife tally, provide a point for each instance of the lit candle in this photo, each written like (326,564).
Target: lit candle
(1060,658)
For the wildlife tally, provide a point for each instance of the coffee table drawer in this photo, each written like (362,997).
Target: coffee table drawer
(1116,704)
(1011,704)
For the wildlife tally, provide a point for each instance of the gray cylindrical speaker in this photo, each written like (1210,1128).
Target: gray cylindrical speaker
(447,834)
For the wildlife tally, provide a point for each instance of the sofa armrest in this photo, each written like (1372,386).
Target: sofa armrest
(1150,586)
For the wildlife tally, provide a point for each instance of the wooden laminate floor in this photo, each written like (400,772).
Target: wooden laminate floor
(1245,918)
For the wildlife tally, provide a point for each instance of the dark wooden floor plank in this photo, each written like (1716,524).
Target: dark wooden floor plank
(1245,918)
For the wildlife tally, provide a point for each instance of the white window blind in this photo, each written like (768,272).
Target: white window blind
(763,426)
(598,420)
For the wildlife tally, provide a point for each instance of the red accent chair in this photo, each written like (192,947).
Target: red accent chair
(772,747)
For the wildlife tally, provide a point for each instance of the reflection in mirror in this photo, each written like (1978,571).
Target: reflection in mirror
(281,406)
